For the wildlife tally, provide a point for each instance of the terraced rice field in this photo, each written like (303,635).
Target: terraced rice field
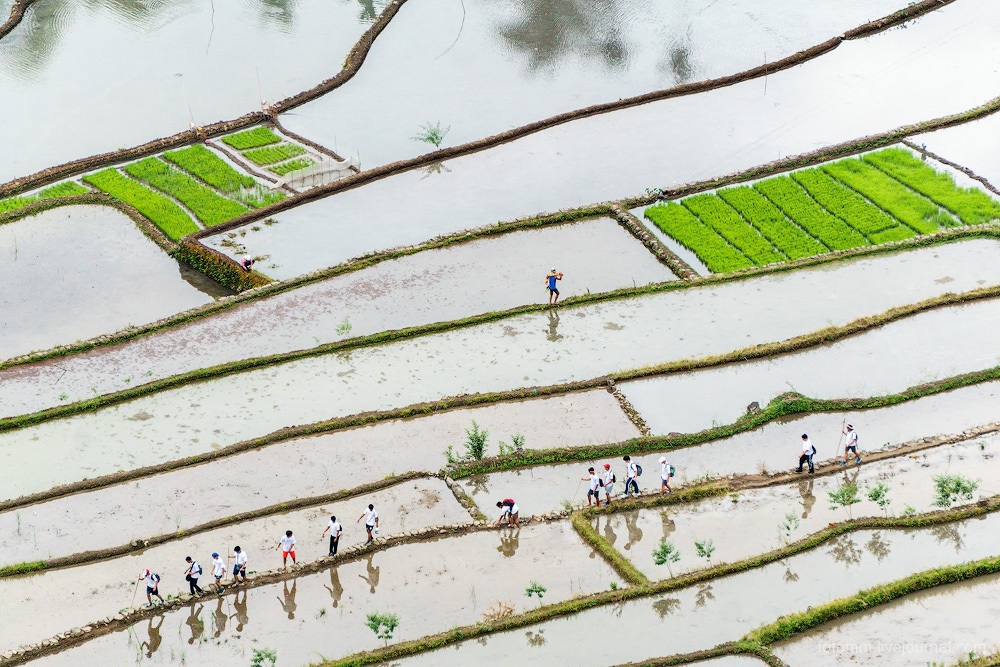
(740,257)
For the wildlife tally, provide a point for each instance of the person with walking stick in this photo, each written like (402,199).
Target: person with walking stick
(851,445)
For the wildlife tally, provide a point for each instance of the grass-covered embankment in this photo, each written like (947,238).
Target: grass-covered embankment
(67,189)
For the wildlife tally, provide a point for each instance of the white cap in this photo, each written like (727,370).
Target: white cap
(554,270)
(145,573)
(663,459)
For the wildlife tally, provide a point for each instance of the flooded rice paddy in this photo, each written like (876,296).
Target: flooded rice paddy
(75,272)
(492,274)
(556,347)
(973,145)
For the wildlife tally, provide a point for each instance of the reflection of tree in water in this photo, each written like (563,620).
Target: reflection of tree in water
(703,595)
(535,638)
(666,606)
(949,533)
(844,550)
(370,10)
(677,61)
(477,484)
(878,547)
(790,577)
(281,12)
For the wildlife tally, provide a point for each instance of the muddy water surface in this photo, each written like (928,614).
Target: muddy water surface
(303,468)
(432,586)
(703,616)
(930,69)
(73,273)
(940,626)
(583,343)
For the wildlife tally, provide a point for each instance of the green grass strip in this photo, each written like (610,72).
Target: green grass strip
(215,171)
(290,166)
(972,205)
(844,203)
(789,196)
(913,210)
(272,154)
(788,237)
(258,136)
(66,189)
(22,568)
(161,210)
(622,565)
(718,215)
(693,234)
(209,206)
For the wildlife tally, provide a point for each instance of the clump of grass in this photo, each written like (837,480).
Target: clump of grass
(704,549)
(432,134)
(22,568)
(475,444)
(207,205)
(879,494)
(498,611)
(262,657)
(163,212)
(290,166)
(536,589)
(272,154)
(951,488)
(258,136)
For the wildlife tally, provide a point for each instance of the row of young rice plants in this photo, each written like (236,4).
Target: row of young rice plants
(910,208)
(717,214)
(67,189)
(831,231)
(209,206)
(272,154)
(690,232)
(291,165)
(160,209)
(850,207)
(215,171)
(253,138)
(971,205)
(788,237)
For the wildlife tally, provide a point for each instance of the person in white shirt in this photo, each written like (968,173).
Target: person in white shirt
(191,574)
(851,445)
(152,586)
(808,451)
(287,546)
(240,568)
(631,476)
(609,484)
(665,475)
(595,487)
(371,522)
(510,511)
(335,530)
(218,570)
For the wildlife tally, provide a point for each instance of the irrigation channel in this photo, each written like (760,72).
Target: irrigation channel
(148,413)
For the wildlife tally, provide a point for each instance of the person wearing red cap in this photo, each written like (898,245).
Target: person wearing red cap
(609,484)
(152,586)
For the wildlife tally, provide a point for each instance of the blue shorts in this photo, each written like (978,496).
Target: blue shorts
(594,492)
(150,590)
(236,570)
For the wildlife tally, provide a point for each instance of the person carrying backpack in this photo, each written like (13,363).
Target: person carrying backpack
(632,472)
(609,483)
(152,586)
(851,445)
(595,487)
(510,511)
(808,451)
(191,574)
(666,472)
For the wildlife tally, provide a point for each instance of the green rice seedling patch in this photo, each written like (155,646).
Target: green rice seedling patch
(892,234)
(721,217)
(215,171)
(973,206)
(844,203)
(831,231)
(788,237)
(712,249)
(258,136)
(67,189)
(209,206)
(891,196)
(272,154)
(291,165)
(160,209)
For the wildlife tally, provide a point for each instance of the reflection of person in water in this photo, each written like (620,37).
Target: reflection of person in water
(242,618)
(632,526)
(808,499)
(154,636)
(195,623)
(336,590)
(289,602)
(609,533)
(668,525)
(554,334)
(509,542)
(219,618)
(373,572)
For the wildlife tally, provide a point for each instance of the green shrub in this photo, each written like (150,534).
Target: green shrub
(66,189)
(258,136)
(950,488)
(272,154)
(383,625)
(262,657)
(163,212)
(291,165)
(690,232)
(973,206)
(788,237)
(209,206)
(718,215)
(215,171)
(844,203)
(788,196)
(844,496)
(666,554)
(891,196)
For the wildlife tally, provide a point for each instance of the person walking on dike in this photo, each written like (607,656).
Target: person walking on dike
(287,546)
(335,530)
(191,574)
(808,451)
(595,487)
(609,484)
(851,444)
(371,522)
(666,472)
(631,476)
(551,279)
(218,571)
(152,586)
(510,511)
(240,567)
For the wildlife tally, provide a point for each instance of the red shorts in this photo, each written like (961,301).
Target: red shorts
(286,554)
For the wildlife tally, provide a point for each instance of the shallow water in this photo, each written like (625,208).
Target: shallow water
(700,617)
(930,69)
(589,342)
(433,286)
(457,578)
(940,626)
(76,272)
(301,468)
(973,145)
(541,59)
(151,68)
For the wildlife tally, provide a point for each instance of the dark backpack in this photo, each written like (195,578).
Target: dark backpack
(638,470)
(672,470)
(155,577)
